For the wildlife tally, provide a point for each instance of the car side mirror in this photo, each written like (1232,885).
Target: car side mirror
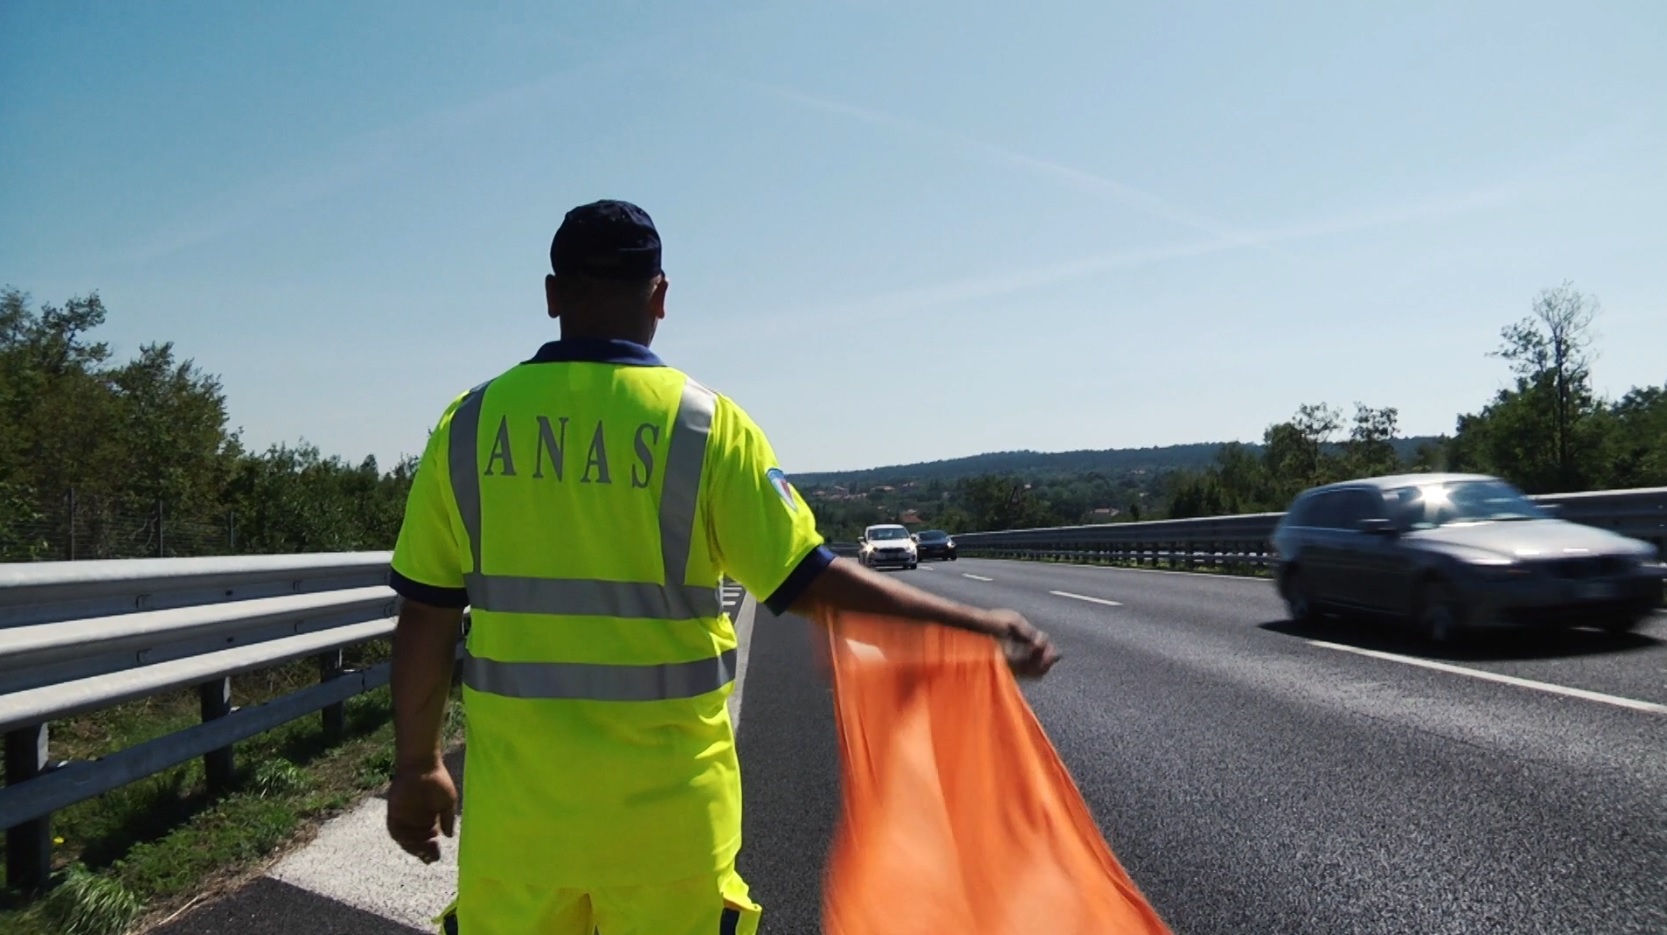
(862,540)
(915,539)
(1376,526)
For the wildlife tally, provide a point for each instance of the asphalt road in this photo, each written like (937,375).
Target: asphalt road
(1255,777)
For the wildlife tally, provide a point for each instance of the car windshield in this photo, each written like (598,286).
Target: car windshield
(893,533)
(933,535)
(1432,505)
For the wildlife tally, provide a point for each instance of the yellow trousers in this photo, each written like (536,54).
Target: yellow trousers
(714,904)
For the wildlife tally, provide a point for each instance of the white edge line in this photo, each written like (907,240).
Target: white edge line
(1084,597)
(743,641)
(976,577)
(1619,702)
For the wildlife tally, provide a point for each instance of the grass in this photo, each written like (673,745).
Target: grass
(150,846)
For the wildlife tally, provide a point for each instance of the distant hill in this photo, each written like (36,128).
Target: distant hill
(1113,462)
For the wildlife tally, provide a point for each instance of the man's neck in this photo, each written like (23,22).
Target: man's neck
(586,334)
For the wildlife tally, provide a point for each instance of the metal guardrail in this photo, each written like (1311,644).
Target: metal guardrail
(1240,543)
(77,637)
(82,636)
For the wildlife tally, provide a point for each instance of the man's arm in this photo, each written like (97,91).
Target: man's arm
(764,535)
(845,585)
(425,649)
(427,572)
(422,801)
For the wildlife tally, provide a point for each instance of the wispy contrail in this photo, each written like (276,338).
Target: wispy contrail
(1078,178)
(963,290)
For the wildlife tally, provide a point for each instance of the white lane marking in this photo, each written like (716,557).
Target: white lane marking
(1619,702)
(927,568)
(1084,597)
(743,638)
(976,577)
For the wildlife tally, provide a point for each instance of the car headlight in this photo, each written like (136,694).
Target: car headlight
(950,543)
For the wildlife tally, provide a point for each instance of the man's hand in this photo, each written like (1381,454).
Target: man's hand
(421,806)
(1030,654)
(845,585)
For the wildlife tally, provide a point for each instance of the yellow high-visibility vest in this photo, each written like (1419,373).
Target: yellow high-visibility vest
(585,505)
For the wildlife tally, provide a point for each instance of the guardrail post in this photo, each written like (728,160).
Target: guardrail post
(219,769)
(28,845)
(334,717)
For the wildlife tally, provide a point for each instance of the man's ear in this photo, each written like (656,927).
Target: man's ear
(550,300)
(658,301)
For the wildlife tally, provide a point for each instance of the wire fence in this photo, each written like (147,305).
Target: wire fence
(79,528)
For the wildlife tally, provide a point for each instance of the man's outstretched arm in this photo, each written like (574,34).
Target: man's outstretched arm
(845,585)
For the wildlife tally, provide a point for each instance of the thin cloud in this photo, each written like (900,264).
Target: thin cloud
(979,288)
(357,159)
(1079,179)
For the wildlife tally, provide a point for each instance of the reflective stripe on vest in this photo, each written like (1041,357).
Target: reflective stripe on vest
(595,682)
(674,600)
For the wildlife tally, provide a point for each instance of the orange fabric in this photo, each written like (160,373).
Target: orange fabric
(959,816)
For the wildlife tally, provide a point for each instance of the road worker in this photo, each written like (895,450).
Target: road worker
(584,505)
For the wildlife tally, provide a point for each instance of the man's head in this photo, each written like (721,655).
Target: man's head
(606,279)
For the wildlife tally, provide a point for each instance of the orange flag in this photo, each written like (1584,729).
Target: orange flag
(959,816)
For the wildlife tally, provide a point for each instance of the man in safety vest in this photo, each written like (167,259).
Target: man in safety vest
(584,505)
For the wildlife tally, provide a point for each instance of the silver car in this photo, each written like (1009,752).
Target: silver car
(888,545)
(1450,552)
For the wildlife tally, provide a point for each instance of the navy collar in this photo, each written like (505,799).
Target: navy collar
(596,351)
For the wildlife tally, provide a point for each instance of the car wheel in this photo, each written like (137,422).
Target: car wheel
(1440,612)
(1298,601)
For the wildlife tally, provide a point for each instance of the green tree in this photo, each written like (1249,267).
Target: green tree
(997,501)
(1539,426)
(1636,434)
(1369,450)
(129,437)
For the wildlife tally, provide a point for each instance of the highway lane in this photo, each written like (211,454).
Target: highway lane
(1250,780)
(1633,665)
(1254,782)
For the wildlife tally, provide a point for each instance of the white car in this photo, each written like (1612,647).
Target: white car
(888,546)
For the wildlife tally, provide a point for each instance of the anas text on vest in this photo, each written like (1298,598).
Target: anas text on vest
(549,455)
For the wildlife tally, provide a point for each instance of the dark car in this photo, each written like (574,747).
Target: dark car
(1449,552)
(935,543)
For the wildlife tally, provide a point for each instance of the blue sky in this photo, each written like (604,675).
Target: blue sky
(894,231)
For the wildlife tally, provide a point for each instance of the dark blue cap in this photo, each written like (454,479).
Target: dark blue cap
(607,240)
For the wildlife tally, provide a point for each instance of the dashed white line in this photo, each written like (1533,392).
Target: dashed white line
(1084,597)
(1619,702)
(976,577)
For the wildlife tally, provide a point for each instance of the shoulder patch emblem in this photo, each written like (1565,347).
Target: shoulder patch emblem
(778,480)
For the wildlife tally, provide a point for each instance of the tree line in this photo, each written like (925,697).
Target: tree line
(109,458)
(1549,431)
